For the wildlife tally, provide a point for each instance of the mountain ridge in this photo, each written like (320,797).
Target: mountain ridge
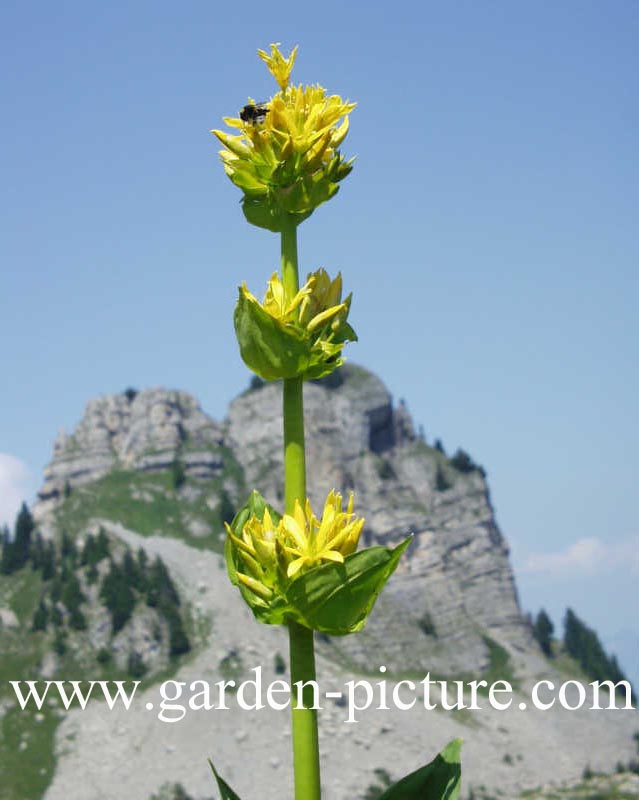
(456,570)
(160,475)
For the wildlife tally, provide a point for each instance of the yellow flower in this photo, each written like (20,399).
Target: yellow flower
(270,554)
(256,547)
(278,305)
(304,569)
(285,157)
(299,336)
(308,541)
(323,301)
(279,67)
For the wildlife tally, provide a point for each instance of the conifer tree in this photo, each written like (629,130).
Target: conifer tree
(102,548)
(25,527)
(161,589)
(92,574)
(178,640)
(88,550)
(68,549)
(118,597)
(6,555)
(442,483)
(582,643)
(47,561)
(60,642)
(543,630)
(77,620)
(56,616)
(40,617)
(131,570)
(37,552)
(72,596)
(16,552)
(143,570)
(178,474)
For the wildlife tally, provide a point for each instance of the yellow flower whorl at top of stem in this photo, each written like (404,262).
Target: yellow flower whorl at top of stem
(285,157)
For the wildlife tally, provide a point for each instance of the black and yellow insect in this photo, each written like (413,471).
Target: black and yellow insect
(254,113)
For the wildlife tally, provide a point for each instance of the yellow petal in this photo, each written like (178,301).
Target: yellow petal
(255,586)
(233,122)
(292,527)
(323,317)
(294,567)
(265,551)
(240,543)
(267,522)
(300,518)
(279,67)
(233,143)
(332,555)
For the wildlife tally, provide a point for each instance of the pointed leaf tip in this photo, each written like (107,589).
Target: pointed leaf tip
(226,793)
(438,780)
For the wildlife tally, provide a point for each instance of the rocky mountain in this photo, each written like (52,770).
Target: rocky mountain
(455,591)
(133,431)
(155,472)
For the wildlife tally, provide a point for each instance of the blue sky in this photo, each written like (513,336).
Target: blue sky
(488,231)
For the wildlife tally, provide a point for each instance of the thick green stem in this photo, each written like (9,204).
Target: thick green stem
(304,716)
(294,456)
(302,654)
(290,276)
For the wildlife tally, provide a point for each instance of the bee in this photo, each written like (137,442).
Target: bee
(254,113)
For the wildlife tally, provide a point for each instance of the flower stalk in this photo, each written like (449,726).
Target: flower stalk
(302,652)
(299,568)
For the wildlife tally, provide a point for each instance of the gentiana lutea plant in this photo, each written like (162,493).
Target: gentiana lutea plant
(301,567)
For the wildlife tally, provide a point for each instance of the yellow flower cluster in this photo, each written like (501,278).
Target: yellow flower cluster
(285,157)
(303,335)
(273,553)
(318,301)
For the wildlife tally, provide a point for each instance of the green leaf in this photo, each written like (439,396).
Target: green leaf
(264,212)
(269,348)
(337,598)
(320,367)
(276,612)
(259,212)
(439,780)
(225,790)
(345,333)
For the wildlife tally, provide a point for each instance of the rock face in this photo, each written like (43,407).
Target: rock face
(135,430)
(453,594)
(455,589)
(450,609)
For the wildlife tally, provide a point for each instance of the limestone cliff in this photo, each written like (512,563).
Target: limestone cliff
(454,593)
(157,473)
(133,430)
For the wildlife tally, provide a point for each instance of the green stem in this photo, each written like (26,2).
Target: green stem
(294,456)
(290,276)
(304,717)
(302,654)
